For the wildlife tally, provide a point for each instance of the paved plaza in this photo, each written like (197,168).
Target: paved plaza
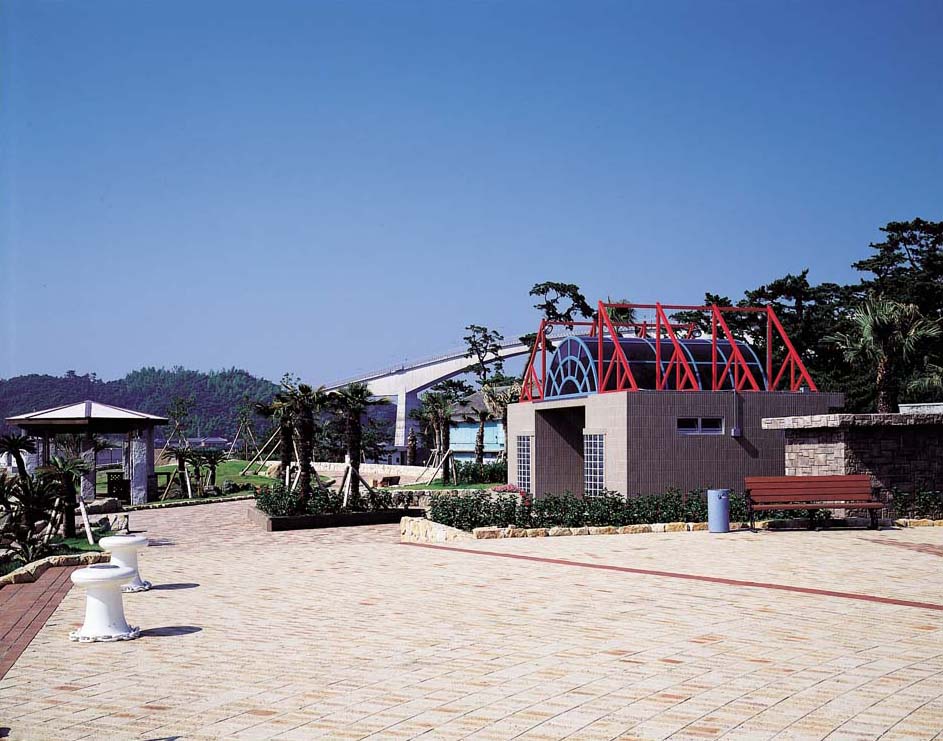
(347,634)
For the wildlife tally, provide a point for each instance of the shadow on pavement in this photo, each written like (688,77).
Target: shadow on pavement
(171,630)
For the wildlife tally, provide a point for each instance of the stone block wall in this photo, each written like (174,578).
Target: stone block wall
(899,451)
(815,453)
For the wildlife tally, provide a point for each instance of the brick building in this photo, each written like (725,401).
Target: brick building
(639,407)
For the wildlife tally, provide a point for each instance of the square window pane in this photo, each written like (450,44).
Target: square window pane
(688,425)
(712,425)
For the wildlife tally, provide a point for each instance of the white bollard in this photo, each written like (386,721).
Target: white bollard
(124,552)
(104,609)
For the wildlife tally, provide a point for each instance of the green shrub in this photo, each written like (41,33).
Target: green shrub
(475,509)
(469,472)
(277,501)
(379,499)
(920,505)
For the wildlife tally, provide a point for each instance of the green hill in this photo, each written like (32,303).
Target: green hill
(217,395)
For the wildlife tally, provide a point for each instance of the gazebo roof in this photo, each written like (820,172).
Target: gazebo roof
(86,416)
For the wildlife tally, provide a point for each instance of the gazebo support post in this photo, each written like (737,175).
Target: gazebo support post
(88,478)
(126,456)
(148,435)
(138,467)
(142,475)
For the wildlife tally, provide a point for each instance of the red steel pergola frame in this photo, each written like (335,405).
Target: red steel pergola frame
(673,361)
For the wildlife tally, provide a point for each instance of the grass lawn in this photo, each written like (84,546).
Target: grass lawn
(230,471)
(79,544)
(226,471)
(438,485)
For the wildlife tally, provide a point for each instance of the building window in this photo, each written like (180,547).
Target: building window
(523,463)
(594,453)
(700,425)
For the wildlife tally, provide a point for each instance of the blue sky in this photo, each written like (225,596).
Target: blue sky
(330,187)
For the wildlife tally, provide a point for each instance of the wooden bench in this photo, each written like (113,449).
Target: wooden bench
(386,481)
(811,493)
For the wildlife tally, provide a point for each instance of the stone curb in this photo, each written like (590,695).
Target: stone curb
(421,530)
(32,571)
(489,533)
(918,523)
(186,502)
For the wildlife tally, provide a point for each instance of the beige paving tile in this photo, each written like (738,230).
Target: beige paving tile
(348,634)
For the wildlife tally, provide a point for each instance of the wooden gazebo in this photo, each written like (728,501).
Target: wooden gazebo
(88,418)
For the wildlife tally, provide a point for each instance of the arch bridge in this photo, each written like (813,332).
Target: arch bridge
(403,383)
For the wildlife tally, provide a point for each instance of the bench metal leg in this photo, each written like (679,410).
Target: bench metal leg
(874,519)
(812,518)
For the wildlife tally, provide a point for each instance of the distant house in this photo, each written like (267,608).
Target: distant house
(198,442)
(465,430)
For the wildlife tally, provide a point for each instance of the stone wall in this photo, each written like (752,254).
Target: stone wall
(421,530)
(899,451)
(370,471)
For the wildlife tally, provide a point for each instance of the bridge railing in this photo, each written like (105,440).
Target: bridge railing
(410,365)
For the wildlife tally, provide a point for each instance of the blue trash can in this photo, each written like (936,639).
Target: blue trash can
(718,510)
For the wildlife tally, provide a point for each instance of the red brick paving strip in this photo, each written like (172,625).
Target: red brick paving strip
(25,608)
(692,577)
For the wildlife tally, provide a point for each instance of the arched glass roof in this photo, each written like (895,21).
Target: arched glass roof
(573,369)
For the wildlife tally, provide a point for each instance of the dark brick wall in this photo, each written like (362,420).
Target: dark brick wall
(907,458)
(903,458)
(558,454)
(660,458)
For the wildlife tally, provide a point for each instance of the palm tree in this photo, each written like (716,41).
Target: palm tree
(428,424)
(620,316)
(280,409)
(352,402)
(444,400)
(482,416)
(26,502)
(195,458)
(17,445)
(305,403)
(498,394)
(69,472)
(928,379)
(180,455)
(211,458)
(890,335)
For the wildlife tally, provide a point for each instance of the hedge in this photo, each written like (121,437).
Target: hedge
(467,511)
(277,501)
(469,472)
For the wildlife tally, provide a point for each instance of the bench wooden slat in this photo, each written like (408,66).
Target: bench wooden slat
(815,485)
(811,487)
(821,505)
(811,497)
(770,491)
(810,479)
